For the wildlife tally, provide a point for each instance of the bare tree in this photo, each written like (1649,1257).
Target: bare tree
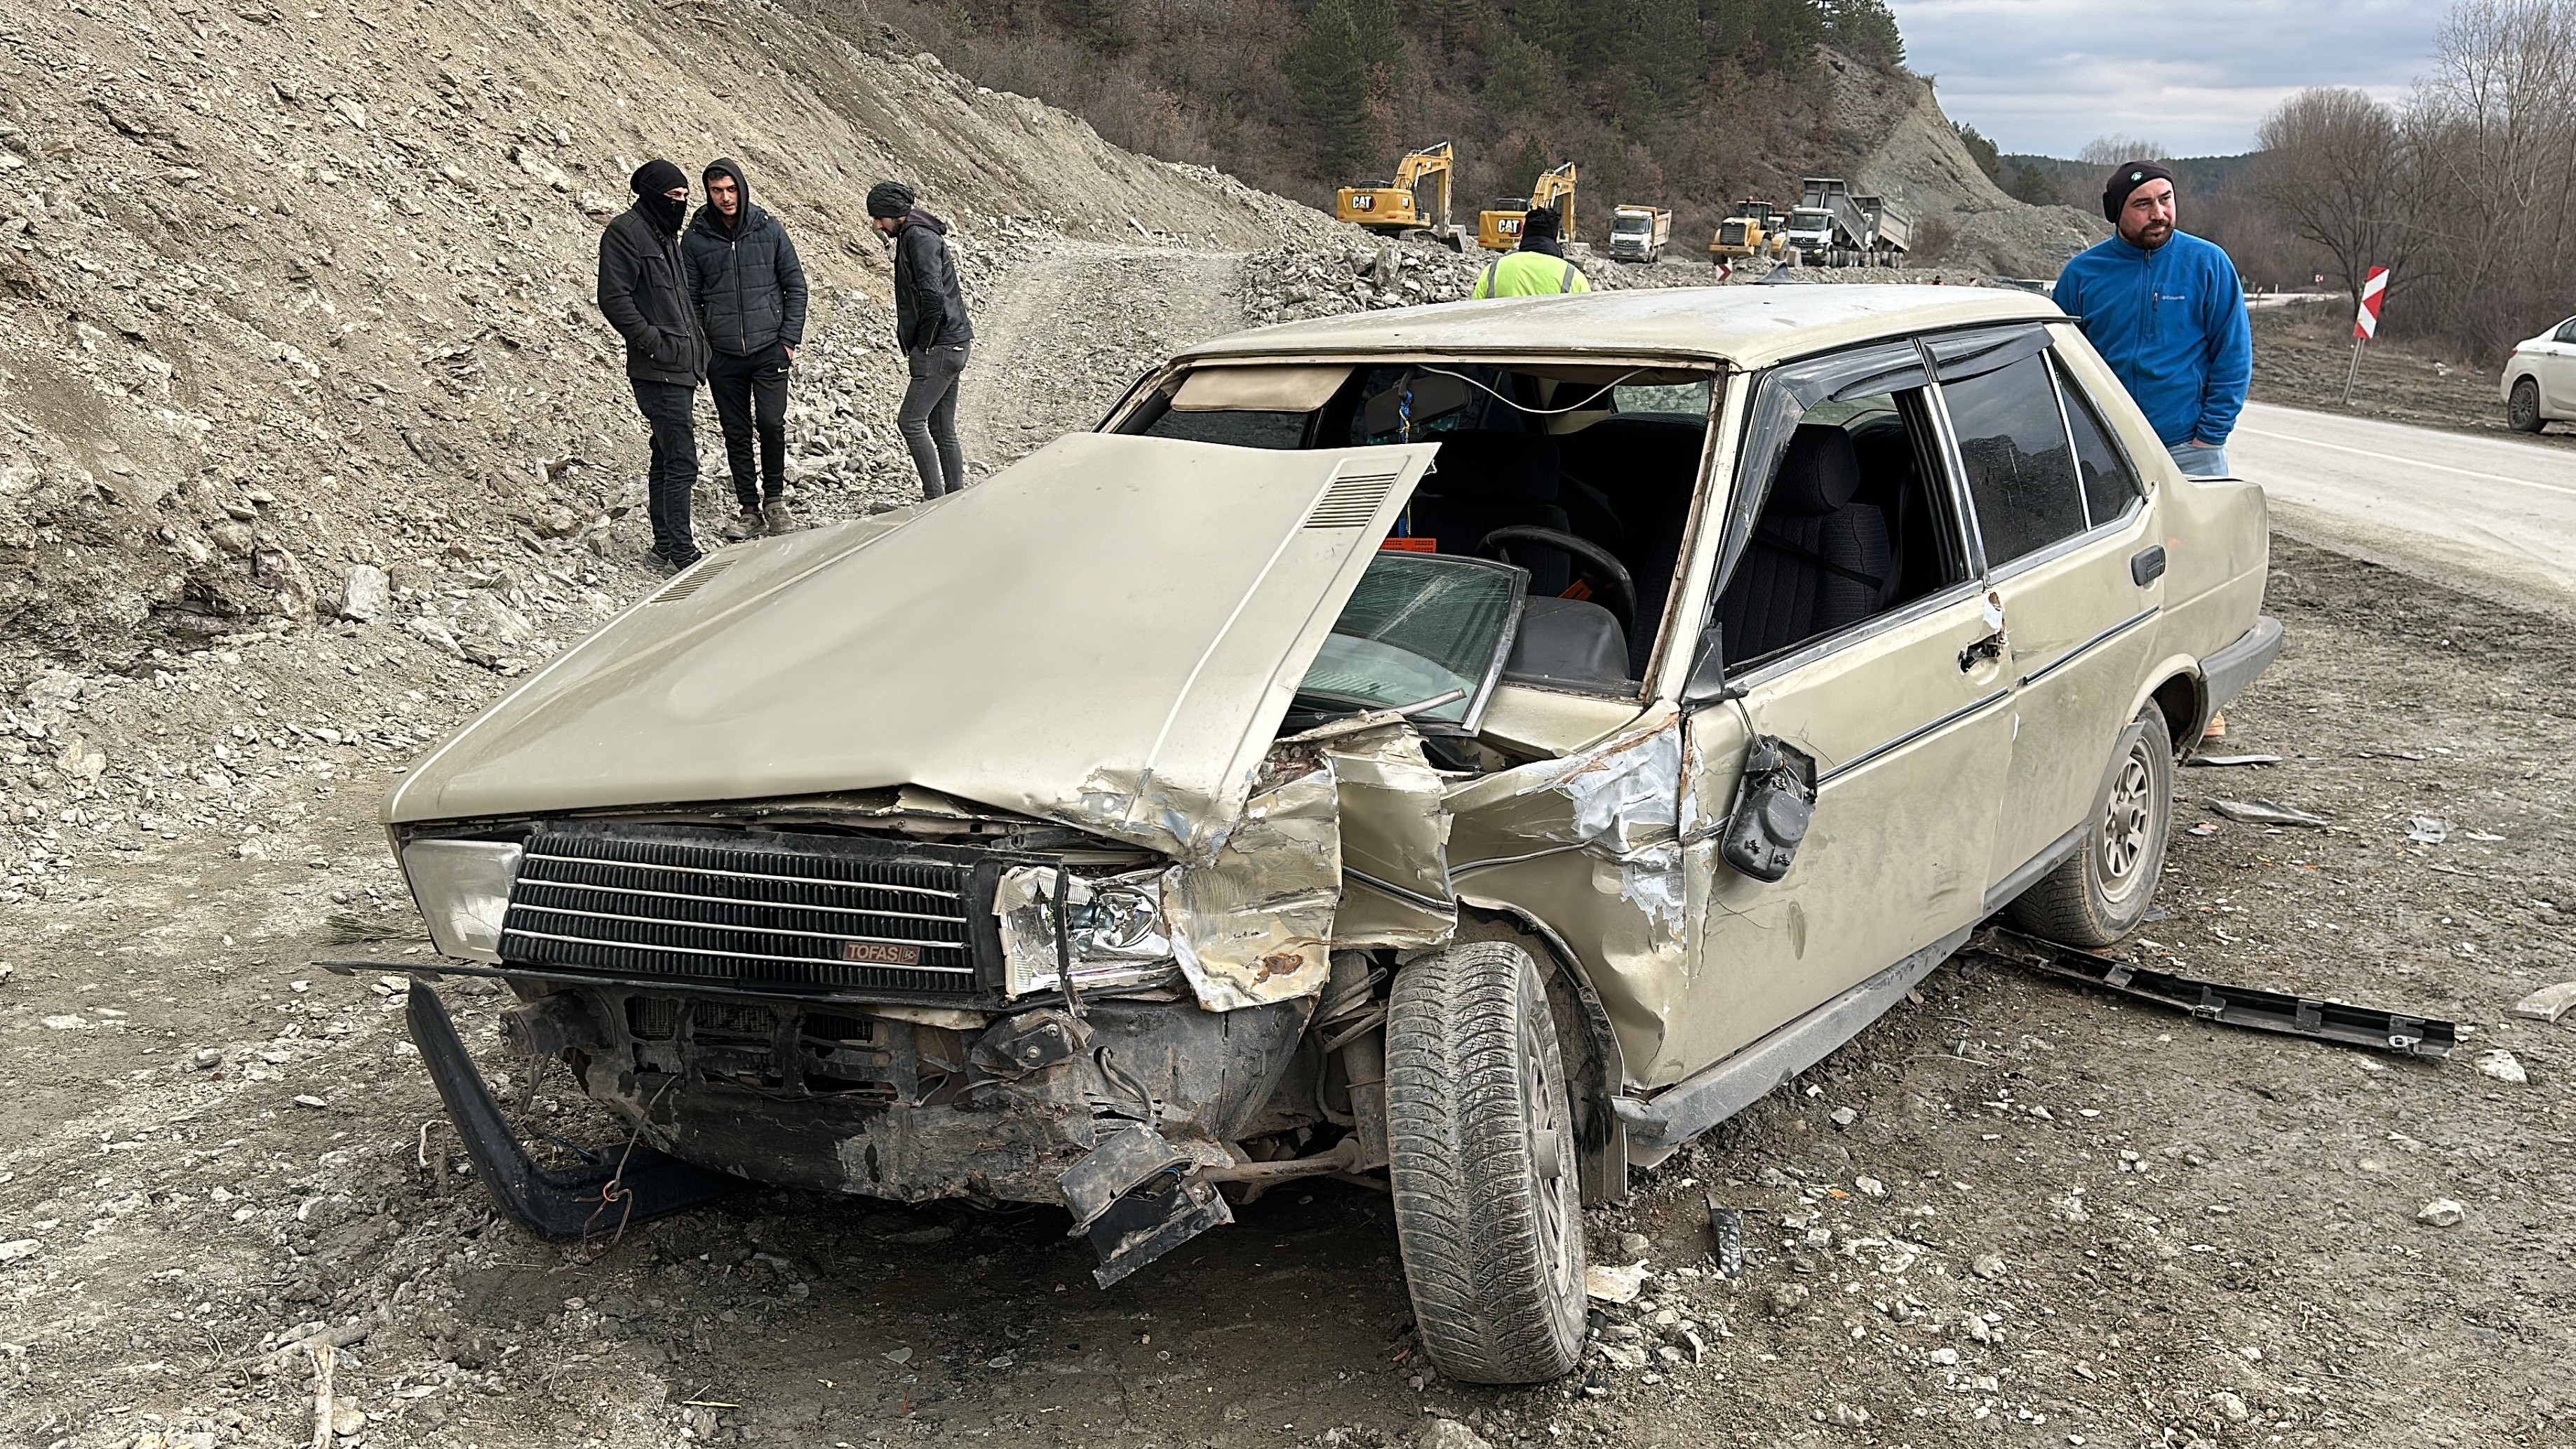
(2114,149)
(2336,168)
(2495,125)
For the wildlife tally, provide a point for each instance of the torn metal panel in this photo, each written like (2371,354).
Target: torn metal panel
(1395,842)
(1255,925)
(1613,799)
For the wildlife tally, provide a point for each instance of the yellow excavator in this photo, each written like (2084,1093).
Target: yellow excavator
(1753,230)
(1394,208)
(1499,230)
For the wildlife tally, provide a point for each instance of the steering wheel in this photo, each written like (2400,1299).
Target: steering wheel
(1622,600)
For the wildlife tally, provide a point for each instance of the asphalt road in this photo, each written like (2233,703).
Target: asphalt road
(2489,516)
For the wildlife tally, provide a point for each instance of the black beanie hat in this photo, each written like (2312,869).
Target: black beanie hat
(2130,176)
(655,177)
(1539,225)
(889,199)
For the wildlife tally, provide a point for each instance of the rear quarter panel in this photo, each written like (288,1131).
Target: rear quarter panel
(2216,532)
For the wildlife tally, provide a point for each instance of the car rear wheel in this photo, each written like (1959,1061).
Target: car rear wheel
(2522,410)
(2102,891)
(1481,1159)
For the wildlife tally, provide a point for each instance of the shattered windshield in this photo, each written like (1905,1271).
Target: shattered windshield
(1418,626)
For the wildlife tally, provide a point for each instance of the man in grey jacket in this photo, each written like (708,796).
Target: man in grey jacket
(644,295)
(931,327)
(749,290)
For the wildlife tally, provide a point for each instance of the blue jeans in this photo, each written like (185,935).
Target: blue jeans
(928,419)
(2199,460)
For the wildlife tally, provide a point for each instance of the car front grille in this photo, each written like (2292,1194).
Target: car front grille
(756,910)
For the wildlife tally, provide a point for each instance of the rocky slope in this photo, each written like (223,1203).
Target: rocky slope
(1914,157)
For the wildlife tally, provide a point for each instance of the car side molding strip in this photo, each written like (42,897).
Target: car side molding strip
(2080,650)
(1699,1102)
(1922,731)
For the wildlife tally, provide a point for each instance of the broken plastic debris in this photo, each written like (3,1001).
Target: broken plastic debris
(2502,1065)
(2264,812)
(2426,829)
(2548,1003)
(2226,762)
(2204,830)
(1611,1284)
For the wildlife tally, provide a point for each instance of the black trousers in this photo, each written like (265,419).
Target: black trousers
(670,409)
(751,401)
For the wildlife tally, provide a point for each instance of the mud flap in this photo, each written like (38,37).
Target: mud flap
(555,1205)
(1135,1199)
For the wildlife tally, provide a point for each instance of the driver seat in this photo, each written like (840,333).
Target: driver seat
(1488,479)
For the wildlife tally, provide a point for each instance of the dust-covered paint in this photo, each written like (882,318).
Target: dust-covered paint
(1255,924)
(1395,841)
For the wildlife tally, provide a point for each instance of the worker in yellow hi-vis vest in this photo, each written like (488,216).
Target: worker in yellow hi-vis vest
(1538,268)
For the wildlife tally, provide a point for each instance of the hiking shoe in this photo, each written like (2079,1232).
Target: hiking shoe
(748,525)
(663,563)
(777,516)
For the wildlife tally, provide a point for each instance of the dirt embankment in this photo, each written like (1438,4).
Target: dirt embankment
(288,290)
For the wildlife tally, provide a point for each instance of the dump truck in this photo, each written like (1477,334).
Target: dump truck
(1753,229)
(1498,228)
(1638,233)
(1832,227)
(1394,207)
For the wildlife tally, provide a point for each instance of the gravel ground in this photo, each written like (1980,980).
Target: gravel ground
(2012,1212)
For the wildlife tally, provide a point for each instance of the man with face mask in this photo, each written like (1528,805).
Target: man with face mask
(644,293)
(749,290)
(2167,311)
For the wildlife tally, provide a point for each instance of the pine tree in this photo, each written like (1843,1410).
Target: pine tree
(1329,67)
(1864,30)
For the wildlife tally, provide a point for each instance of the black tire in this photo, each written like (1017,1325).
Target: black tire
(1481,1158)
(2522,410)
(2102,891)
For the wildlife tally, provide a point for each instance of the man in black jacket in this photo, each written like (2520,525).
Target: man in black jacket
(749,291)
(930,324)
(643,291)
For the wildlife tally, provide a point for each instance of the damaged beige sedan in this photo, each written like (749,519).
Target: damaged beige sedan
(1468,751)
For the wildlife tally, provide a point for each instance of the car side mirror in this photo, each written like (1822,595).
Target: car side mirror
(1707,682)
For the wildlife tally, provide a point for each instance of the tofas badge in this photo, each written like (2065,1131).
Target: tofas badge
(879,953)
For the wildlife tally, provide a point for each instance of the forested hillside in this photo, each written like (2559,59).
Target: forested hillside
(1688,103)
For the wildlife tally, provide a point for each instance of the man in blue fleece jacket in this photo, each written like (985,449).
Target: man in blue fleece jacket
(2166,310)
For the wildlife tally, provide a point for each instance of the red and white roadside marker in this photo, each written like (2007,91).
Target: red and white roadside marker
(2365,323)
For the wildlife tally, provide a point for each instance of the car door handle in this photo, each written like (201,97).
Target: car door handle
(2147,565)
(1990,647)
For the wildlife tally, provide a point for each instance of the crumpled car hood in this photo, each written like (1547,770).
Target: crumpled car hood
(1105,634)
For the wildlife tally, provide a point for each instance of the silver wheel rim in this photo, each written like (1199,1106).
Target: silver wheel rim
(2128,826)
(1554,1197)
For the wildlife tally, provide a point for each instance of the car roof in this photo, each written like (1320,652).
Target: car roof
(1747,326)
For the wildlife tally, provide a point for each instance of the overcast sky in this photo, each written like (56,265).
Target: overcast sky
(2047,76)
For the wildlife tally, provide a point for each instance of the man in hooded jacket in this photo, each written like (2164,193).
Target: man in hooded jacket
(749,291)
(643,291)
(930,324)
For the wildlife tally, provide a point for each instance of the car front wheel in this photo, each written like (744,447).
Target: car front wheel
(2102,891)
(2522,410)
(1481,1159)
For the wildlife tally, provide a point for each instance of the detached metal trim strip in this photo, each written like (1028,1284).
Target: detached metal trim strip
(1411,898)
(1910,736)
(2071,655)
(738,874)
(726,955)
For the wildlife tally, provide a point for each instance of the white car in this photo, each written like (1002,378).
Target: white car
(2540,380)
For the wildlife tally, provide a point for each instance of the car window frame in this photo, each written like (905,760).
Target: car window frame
(1743,510)
(2564,333)
(2092,532)
(2064,379)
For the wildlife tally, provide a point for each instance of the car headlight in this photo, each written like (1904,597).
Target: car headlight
(463,890)
(1114,929)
